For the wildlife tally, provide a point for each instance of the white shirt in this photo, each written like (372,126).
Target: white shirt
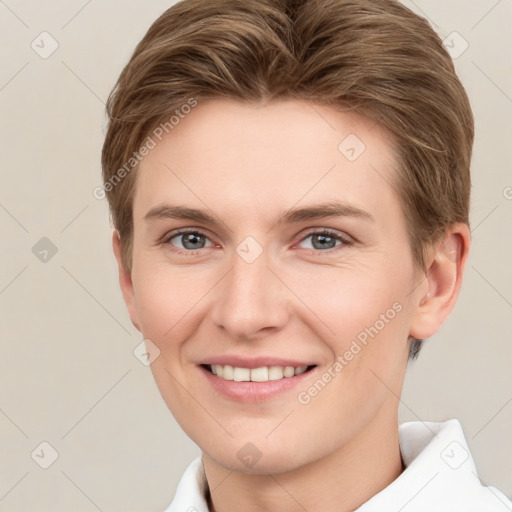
(439,476)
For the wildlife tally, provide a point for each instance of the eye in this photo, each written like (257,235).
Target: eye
(191,240)
(325,240)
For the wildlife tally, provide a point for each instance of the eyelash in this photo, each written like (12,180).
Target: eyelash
(345,241)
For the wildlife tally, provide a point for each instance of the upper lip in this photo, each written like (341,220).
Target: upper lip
(254,362)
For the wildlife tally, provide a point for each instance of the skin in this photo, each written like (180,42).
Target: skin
(247,164)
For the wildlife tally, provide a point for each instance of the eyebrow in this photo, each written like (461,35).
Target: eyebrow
(312,212)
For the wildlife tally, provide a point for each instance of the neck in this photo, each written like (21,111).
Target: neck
(340,482)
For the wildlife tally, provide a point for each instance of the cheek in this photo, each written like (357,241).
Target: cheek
(166,297)
(347,301)
(363,317)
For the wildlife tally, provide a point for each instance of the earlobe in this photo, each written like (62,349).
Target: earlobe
(444,278)
(125,281)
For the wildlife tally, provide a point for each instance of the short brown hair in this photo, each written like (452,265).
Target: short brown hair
(373,56)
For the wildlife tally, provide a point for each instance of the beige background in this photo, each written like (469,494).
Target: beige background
(68,373)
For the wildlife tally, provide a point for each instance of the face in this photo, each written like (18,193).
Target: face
(295,254)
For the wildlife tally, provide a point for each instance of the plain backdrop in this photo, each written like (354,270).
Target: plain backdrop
(68,374)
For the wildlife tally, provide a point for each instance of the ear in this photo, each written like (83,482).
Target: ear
(125,281)
(444,279)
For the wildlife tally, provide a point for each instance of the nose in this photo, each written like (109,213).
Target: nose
(250,301)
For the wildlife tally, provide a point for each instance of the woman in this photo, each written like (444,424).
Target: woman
(289,186)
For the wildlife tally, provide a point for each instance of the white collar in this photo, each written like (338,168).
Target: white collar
(440,476)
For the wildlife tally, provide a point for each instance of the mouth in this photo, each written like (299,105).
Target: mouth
(255,385)
(261,374)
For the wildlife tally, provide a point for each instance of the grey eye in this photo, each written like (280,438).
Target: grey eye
(324,241)
(190,240)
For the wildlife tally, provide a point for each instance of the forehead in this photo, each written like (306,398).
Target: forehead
(250,157)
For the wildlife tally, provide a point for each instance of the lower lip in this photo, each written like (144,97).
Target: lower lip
(252,392)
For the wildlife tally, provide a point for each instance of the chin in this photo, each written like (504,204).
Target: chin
(257,458)
(267,464)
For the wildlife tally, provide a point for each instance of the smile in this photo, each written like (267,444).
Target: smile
(261,374)
(255,379)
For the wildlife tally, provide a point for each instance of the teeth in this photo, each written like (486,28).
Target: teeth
(289,371)
(241,374)
(259,374)
(275,372)
(263,374)
(228,371)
